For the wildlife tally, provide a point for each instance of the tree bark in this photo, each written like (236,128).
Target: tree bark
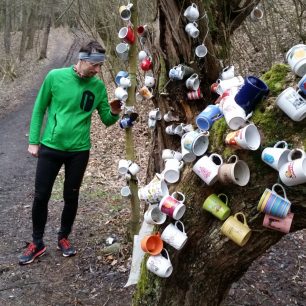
(7,27)
(24,25)
(31,27)
(209,263)
(43,51)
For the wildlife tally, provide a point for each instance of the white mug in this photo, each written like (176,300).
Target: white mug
(193,82)
(170,117)
(155,114)
(171,154)
(170,129)
(154,216)
(171,173)
(121,94)
(192,29)
(223,85)
(151,123)
(228,73)
(123,166)
(179,130)
(200,50)
(192,12)
(142,55)
(174,236)
(276,156)
(160,264)
(188,156)
(292,103)
(149,81)
(234,114)
(134,168)
(125,82)
(196,141)
(207,168)
(125,191)
(294,172)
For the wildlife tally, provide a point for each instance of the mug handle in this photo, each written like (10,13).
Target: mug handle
(283,189)
(181,164)
(166,253)
(295,150)
(243,216)
(203,132)
(182,224)
(195,24)
(194,5)
(180,193)
(233,157)
(226,198)
(282,142)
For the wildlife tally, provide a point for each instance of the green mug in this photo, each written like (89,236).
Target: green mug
(217,207)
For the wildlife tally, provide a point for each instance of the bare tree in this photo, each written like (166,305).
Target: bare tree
(7,27)
(44,46)
(208,264)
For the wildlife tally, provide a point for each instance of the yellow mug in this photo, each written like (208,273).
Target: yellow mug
(235,230)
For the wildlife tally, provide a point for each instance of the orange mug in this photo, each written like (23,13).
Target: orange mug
(152,244)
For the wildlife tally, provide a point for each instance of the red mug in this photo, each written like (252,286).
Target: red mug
(141,30)
(146,64)
(127,34)
(195,94)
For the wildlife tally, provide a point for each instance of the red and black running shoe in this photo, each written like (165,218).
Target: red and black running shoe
(65,246)
(31,253)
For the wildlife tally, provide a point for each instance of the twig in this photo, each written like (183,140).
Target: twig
(106,302)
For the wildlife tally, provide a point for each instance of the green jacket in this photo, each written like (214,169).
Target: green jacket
(70,101)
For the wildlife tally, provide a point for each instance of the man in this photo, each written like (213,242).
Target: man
(69,95)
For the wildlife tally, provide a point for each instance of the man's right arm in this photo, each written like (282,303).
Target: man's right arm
(43,99)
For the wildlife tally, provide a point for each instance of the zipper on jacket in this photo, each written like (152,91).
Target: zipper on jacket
(55,124)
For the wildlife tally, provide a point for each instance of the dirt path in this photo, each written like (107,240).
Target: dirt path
(90,278)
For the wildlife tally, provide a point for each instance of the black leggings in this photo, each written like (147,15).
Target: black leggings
(48,166)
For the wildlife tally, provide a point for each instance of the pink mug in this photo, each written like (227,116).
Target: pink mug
(278,224)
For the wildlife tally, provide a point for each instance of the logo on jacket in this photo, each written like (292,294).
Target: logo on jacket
(87,101)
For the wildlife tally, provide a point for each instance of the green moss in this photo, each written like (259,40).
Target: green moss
(275,78)
(217,132)
(148,286)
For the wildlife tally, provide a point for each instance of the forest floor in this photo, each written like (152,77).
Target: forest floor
(93,276)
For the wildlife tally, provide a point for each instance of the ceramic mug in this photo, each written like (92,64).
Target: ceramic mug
(155,114)
(296,58)
(237,231)
(192,12)
(154,216)
(276,156)
(171,173)
(152,244)
(133,168)
(234,171)
(278,224)
(142,55)
(197,142)
(149,81)
(171,154)
(120,75)
(121,93)
(192,29)
(274,204)
(292,104)
(125,191)
(146,92)
(123,166)
(125,11)
(174,236)
(217,207)
(302,84)
(173,207)
(154,191)
(208,116)
(207,168)
(193,82)
(188,156)
(122,51)
(127,34)
(228,73)
(200,51)
(294,171)
(246,138)
(160,264)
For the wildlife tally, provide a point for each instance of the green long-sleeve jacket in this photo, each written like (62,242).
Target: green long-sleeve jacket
(70,102)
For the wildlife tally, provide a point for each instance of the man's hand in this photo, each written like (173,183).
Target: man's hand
(115,106)
(33,150)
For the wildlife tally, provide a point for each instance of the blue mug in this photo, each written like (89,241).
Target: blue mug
(176,73)
(128,120)
(121,74)
(208,116)
(251,93)
(302,85)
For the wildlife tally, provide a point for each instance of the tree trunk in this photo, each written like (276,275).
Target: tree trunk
(31,27)
(43,51)
(209,263)
(24,25)
(7,27)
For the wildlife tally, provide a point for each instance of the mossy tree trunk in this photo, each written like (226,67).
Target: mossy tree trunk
(208,264)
